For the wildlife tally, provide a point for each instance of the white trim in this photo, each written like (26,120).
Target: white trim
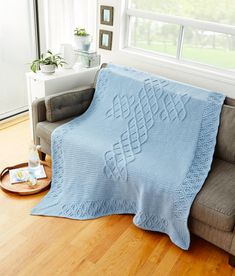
(127,36)
(13,112)
(43,18)
(181,66)
(199,24)
(12,118)
(180,42)
(193,64)
(32,27)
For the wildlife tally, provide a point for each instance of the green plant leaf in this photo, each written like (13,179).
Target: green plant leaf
(80,32)
(47,58)
(33,67)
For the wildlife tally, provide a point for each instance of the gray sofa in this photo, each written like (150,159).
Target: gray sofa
(212,216)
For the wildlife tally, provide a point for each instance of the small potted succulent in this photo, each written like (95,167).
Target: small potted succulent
(82,39)
(47,63)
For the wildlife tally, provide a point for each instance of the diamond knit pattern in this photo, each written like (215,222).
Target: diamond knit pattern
(151,101)
(121,107)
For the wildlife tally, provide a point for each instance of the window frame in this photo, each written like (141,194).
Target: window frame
(182,22)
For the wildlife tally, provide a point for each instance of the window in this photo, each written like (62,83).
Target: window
(192,31)
(60,17)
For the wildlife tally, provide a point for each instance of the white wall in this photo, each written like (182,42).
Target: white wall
(180,72)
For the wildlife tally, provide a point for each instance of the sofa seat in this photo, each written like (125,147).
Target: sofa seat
(44,129)
(215,203)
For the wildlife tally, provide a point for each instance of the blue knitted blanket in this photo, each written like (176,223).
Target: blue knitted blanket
(144,147)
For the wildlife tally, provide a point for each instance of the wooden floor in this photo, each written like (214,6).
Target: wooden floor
(33,245)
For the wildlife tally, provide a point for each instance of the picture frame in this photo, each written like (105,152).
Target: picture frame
(105,39)
(106,15)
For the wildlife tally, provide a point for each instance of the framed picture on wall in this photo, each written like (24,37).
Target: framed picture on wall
(105,40)
(106,15)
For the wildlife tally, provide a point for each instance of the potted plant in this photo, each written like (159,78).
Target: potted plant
(82,39)
(47,63)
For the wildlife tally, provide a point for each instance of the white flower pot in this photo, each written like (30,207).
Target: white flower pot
(68,54)
(83,43)
(47,69)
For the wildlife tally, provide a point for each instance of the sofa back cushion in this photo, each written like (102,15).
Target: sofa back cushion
(67,104)
(225,147)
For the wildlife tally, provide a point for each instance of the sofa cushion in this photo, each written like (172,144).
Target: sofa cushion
(44,129)
(225,147)
(215,203)
(66,104)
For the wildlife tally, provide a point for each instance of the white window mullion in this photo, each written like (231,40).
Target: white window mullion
(199,24)
(128,24)
(180,42)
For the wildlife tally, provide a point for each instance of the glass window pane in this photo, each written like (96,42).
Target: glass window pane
(209,48)
(154,36)
(221,11)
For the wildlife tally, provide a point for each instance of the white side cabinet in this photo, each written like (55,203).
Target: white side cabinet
(40,85)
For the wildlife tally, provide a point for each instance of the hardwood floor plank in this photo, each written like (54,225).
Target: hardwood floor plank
(14,144)
(124,253)
(168,261)
(14,120)
(156,256)
(149,242)
(109,236)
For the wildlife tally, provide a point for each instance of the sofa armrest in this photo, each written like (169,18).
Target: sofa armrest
(232,249)
(67,104)
(38,115)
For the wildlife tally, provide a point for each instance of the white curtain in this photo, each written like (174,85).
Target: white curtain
(62,16)
(17,50)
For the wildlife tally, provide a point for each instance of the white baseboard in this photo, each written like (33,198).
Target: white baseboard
(16,112)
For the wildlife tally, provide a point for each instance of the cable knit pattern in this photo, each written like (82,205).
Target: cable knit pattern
(142,120)
(161,135)
(121,107)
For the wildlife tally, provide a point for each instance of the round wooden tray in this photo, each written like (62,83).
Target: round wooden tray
(23,188)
